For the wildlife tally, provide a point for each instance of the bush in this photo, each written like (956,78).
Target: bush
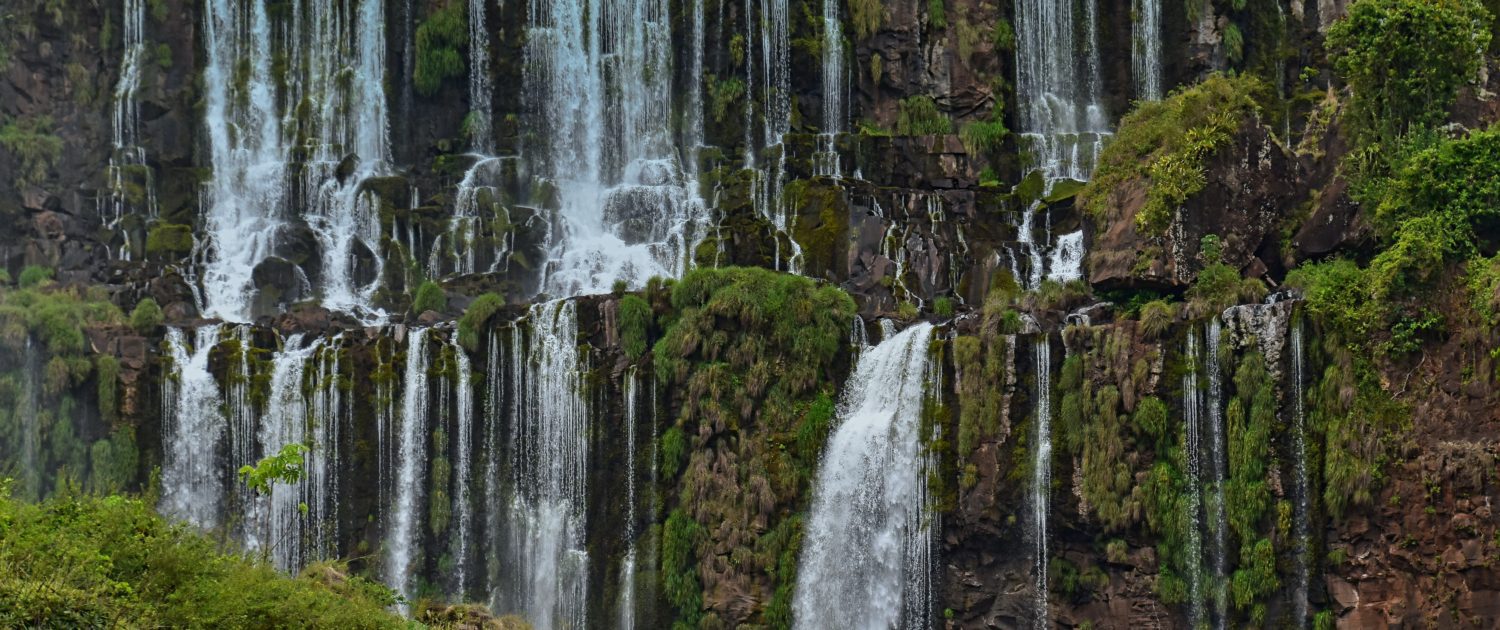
(943,307)
(986,137)
(1405,60)
(475,317)
(34,276)
(91,562)
(919,116)
(1156,318)
(31,140)
(439,38)
(635,322)
(429,297)
(1166,143)
(146,317)
(169,240)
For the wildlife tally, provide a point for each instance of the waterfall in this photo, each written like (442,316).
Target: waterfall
(1057,84)
(494,407)
(128,155)
(345,72)
(598,85)
(827,159)
(693,116)
(1066,264)
(321,486)
(627,567)
(334,62)
(1145,48)
(548,452)
(463,428)
(866,554)
(404,539)
(244,199)
(31,430)
(1300,520)
(1192,404)
(278,522)
(1041,476)
(479,125)
(1219,525)
(192,431)
(774,81)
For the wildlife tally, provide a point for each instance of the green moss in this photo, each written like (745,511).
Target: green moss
(476,317)
(169,240)
(822,227)
(866,16)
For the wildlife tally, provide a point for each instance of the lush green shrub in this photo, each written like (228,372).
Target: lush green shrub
(169,240)
(986,137)
(866,15)
(1156,318)
(439,39)
(679,567)
(146,317)
(919,116)
(475,317)
(34,276)
(430,297)
(635,322)
(937,15)
(93,562)
(108,370)
(1405,60)
(673,451)
(943,307)
(1166,143)
(722,93)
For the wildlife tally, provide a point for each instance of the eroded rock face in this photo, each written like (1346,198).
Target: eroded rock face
(1251,184)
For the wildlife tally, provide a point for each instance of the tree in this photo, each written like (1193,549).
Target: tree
(1406,59)
(285,466)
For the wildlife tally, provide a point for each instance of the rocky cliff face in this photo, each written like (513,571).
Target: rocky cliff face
(702,440)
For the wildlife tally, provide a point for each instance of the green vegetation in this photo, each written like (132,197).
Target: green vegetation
(169,240)
(722,93)
(30,139)
(919,116)
(439,38)
(867,16)
(146,317)
(1405,60)
(937,15)
(34,276)
(1251,419)
(100,562)
(429,297)
(1165,145)
(752,354)
(635,324)
(476,317)
(986,137)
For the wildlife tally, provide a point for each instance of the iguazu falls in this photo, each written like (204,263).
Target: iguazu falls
(749,314)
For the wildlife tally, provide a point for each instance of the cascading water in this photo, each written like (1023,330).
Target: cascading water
(627,567)
(30,424)
(826,161)
(193,429)
(403,538)
(463,429)
(128,159)
(1192,404)
(866,555)
(1303,512)
(344,57)
(480,127)
(547,559)
(278,523)
(1145,49)
(335,108)
(1057,84)
(1041,477)
(245,197)
(598,83)
(1218,526)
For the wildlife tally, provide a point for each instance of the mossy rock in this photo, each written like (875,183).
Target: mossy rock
(1063,190)
(169,241)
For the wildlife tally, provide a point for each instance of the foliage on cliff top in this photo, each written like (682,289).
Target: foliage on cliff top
(1166,143)
(97,562)
(1406,59)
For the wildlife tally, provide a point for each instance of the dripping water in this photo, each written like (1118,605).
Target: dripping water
(1041,476)
(463,429)
(1192,405)
(193,428)
(403,540)
(1214,501)
(1304,485)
